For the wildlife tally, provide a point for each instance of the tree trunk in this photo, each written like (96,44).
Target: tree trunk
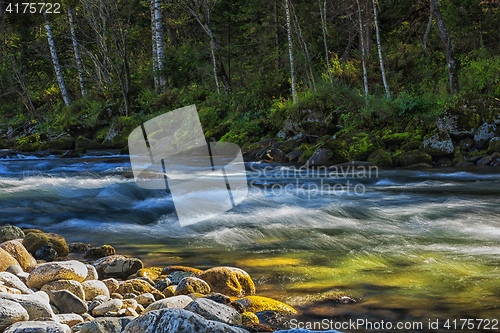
(450,58)
(155,52)
(276,36)
(77,53)
(322,13)
(55,61)
(427,31)
(379,47)
(160,45)
(290,50)
(363,57)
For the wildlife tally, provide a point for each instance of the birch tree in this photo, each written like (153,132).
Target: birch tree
(55,61)
(450,58)
(79,63)
(290,49)
(155,53)
(158,36)
(363,56)
(379,47)
(202,10)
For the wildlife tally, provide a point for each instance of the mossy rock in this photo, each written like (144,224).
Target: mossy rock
(487,107)
(33,241)
(229,281)
(380,158)
(117,135)
(149,273)
(29,143)
(308,152)
(462,117)
(291,144)
(249,318)
(413,144)
(169,269)
(258,303)
(362,149)
(87,144)
(395,139)
(10,232)
(62,143)
(494,145)
(438,144)
(136,286)
(411,158)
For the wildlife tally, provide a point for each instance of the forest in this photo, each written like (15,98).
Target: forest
(78,66)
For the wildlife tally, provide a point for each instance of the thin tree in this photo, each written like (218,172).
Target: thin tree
(160,44)
(379,47)
(202,10)
(450,58)
(363,57)
(55,61)
(79,63)
(427,31)
(290,50)
(322,13)
(155,52)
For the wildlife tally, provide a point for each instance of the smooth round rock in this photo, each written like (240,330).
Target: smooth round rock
(171,302)
(73,286)
(19,252)
(122,267)
(37,304)
(46,253)
(11,280)
(229,281)
(10,313)
(190,285)
(94,288)
(60,270)
(14,269)
(6,260)
(67,302)
(38,327)
(10,232)
(110,306)
(211,310)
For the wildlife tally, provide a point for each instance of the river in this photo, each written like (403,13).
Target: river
(408,245)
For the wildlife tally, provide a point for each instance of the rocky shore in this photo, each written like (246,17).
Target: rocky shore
(48,285)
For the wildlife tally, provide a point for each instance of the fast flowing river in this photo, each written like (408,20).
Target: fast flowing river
(408,245)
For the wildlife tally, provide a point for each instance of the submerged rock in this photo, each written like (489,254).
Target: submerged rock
(257,303)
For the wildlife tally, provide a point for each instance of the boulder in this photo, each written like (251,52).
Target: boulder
(170,302)
(411,158)
(212,310)
(229,281)
(10,313)
(494,145)
(94,288)
(33,241)
(106,325)
(487,160)
(294,142)
(99,252)
(67,302)
(19,252)
(70,319)
(459,120)
(219,298)
(294,156)
(10,232)
(136,286)
(70,285)
(438,144)
(177,321)
(363,147)
(275,155)
(78,247)
(37,304)
(60,270)
(122,267)
(381,158)
(483,135)
(190,285)
(257,303)
(99,264)
(6,260)
(177,276)
(145,299)
(112,305)
(87,144)
(12,281)
(38,327)
(273,319)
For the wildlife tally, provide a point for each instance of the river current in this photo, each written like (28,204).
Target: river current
(407,245)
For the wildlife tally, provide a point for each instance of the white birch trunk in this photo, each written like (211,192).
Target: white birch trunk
(379,47)
(213,49)
(77,53)
(322,12)
(160,44)
(290,50)
(155,53)
(363,57)
(55,61)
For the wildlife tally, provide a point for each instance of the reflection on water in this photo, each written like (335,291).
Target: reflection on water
(415,245)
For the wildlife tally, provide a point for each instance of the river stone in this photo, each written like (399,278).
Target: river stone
(46,253)
(106,325)
(67,302)
(70,319)
(145,299)
(170,302)
(6,260)
(14,269)
(249,318)
(19,252)
(10,232)
(123,267)
(485,161)
(211,310)
(112,285)
(91,273)
(169,269)
(177,321)
(99,252)
(273,319)
(94,288)
(169,291)
(38,327)
(37,304)
(78,247)
(99,264)
(381,158)
(33,241)
(61,270)
(136,286)
(258,303)
(73,286)
(11,280)
(112,305)
(10,313)
(219,298)
(162,284)
(229,281)
(190,285)
(177,276)
(438,144)
(483,135)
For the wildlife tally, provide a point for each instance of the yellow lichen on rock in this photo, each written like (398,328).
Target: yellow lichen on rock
(259,303)
(230,281)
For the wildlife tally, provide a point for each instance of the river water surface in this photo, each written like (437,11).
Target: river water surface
(411,245)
